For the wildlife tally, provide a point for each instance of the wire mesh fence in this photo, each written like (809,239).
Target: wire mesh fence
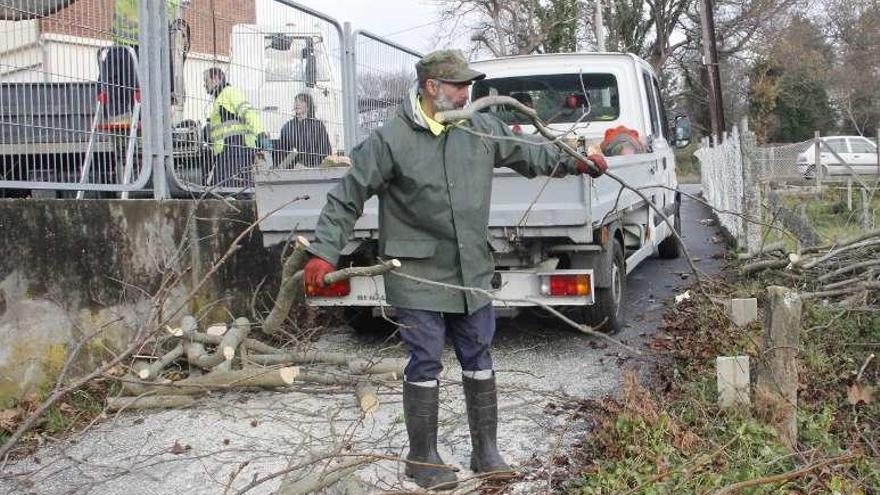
(384,74)
(740,179)
(68,99)
(252,83)
(782,161)
(721,167)
(273,94)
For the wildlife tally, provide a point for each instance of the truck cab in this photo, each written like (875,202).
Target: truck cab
(289,60)
(584,95)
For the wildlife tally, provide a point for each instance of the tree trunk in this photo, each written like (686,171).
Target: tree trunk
(149,402)
(220,380)
(291,288)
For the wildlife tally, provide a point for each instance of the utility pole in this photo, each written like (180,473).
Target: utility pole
(600,28)
(710,60)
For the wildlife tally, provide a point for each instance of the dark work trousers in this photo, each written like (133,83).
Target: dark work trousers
(232,167)
(424,335)
(119,78)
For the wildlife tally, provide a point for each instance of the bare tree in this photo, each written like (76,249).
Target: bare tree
(514,27)
(390,88)
(854,31)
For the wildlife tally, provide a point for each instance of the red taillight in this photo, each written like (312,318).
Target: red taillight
(338,289)
(567,285)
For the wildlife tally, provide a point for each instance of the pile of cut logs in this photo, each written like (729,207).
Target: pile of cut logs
(222,357)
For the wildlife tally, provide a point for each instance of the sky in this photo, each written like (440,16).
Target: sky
(412,23)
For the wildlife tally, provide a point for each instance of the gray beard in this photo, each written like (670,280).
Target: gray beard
(443,103)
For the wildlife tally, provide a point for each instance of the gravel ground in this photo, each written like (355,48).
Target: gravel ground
(229,441)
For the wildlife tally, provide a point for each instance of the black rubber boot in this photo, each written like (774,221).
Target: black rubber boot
(420,412)
(482,411)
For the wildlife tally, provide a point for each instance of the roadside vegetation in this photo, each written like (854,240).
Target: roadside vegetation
(666,433)
(669,436)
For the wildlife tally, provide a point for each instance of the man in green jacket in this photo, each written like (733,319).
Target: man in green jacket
(434,184)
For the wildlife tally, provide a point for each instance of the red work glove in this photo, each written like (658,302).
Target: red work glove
(600,166)
(314,271)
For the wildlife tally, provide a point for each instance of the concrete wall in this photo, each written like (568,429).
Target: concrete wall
(71,268)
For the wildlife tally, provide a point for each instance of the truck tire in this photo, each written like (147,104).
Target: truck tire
(669,249)
(361,320)
(606,313)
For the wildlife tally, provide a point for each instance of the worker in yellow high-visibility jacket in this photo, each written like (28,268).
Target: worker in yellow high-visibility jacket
(235,130)
(118,70)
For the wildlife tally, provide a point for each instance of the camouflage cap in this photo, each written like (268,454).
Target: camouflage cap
(447,66)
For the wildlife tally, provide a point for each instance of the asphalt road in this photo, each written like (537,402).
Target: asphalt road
(244,437)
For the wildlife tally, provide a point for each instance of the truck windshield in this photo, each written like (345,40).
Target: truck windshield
(558,98)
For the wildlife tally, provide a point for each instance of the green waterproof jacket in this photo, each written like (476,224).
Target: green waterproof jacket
(232,115)
(434,196)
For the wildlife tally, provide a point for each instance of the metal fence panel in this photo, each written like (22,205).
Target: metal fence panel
(54,133)
(297,56)
(86,105)
(384,73)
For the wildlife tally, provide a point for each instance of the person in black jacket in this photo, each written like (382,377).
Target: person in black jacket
(303,138)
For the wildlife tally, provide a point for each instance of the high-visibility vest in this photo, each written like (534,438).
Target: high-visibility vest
(232,115)
(126,20)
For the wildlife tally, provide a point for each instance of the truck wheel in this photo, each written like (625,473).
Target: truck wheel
(669,249)
(363,321)
(606,314)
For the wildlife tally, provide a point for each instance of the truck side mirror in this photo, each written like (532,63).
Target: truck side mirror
(682,131)
(308,55)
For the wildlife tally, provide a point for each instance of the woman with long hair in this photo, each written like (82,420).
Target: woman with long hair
(304,135)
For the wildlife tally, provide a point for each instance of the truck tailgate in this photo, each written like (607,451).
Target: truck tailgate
(563,206)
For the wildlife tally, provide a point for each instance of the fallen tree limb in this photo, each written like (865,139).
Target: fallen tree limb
(361,271)
(302,357)
(149,402)
(849,268)
(234,337)
(377,366)
(153,370)
(764,265)
(842,292)
(342,379)
(768,248)
(218,380)
(356,365)
(850,281)
(318,481)
(196,355)
(252,344)
(736,487)
(838,251)
(291,288)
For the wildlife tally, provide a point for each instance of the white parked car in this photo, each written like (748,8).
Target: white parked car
(860,153)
